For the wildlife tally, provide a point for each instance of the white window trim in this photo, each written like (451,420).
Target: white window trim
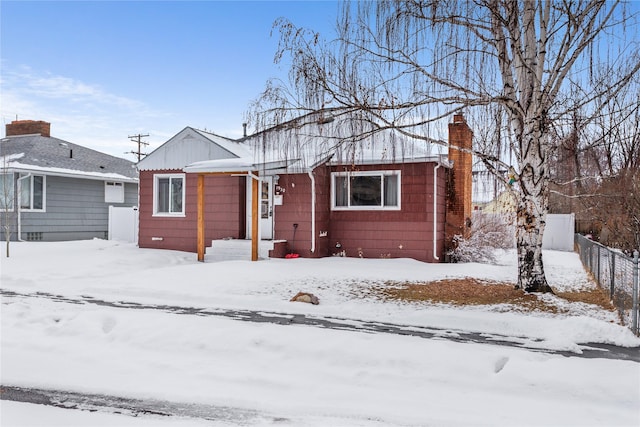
(120,195)
(380,173)
(29,178)
(156,177)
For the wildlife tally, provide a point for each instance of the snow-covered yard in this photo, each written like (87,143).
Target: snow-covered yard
(268,374)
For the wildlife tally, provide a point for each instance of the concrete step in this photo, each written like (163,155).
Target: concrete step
(236,249)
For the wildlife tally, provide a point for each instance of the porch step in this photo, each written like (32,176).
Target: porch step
(236,249)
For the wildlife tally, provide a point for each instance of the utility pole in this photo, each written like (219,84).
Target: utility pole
(138,140)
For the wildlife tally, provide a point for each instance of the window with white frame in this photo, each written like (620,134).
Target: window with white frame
(6,191)
(113,192)
(168,194)
(32,192)
(365,190)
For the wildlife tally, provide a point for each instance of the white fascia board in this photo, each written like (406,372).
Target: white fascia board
(70,173)
(243,164)
(425,159)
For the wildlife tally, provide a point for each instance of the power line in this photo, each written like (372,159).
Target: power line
(138,140)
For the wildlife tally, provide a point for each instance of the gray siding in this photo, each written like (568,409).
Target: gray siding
(75,210)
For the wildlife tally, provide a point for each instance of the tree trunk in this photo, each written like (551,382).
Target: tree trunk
(8,239)
(533,205)
(530,223)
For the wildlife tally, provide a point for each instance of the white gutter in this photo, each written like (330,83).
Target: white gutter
(313,211)
(87,175)
(435,211)
(19,207)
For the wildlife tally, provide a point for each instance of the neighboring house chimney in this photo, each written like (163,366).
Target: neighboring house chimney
(28,127)
(459,191)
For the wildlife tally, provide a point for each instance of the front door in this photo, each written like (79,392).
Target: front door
(266,208)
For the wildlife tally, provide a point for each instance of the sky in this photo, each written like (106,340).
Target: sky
(101,71)
(187,353)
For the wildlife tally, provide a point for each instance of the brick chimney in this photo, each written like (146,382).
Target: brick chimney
(459,187)
(28,127)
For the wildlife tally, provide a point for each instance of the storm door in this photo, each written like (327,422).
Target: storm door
(266,208)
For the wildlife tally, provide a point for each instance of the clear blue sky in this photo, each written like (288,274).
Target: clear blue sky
(100,71)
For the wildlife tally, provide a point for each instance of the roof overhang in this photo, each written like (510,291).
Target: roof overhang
(238,165)
(441,159)
(70,173)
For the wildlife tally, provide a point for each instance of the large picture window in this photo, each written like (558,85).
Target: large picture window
(32,192)
(366,190)
(168,195)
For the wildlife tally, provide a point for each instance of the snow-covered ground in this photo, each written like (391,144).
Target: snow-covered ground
(268,374)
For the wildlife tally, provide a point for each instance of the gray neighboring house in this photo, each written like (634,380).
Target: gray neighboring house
(54,190)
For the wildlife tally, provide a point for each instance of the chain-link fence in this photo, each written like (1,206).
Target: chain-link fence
(615,272)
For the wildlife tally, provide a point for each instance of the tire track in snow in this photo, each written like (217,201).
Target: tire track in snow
(587,350)
(136,407)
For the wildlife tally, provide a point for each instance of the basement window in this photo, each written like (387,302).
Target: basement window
(168,194)
(34,236)
(365,190)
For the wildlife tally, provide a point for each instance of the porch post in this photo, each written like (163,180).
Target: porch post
(200,238)
(255,235)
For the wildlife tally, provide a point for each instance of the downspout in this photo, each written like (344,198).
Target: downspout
(19,206)
(313,210)
(435,211)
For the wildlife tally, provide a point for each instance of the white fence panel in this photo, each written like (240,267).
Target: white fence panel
(123,224)
(559,231)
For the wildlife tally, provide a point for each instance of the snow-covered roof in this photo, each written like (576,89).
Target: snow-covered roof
(232,146)
(316,139)
(192,145)
(299,145)
(53,156)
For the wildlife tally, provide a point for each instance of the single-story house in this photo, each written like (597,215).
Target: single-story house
(307,191)
(54,190)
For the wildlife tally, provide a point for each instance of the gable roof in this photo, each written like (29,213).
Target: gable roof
(298,145)
(53,156)
(316,138)
(192,145)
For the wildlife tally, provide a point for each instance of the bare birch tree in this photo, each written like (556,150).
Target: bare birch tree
(406,65)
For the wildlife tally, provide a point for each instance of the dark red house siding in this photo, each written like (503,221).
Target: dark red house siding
(370,234)
(323,211)
(224,213)
(407,233)
(296,209)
